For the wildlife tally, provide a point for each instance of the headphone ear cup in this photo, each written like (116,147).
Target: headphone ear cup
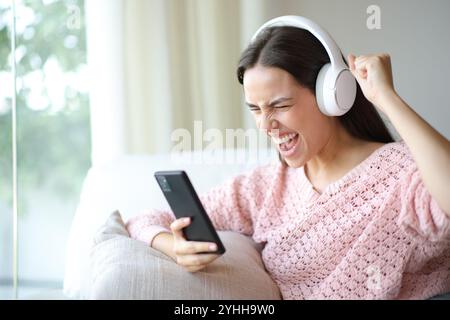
(325,96)
(345,92)
(335,93)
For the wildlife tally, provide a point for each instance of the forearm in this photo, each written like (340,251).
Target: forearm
(430,149)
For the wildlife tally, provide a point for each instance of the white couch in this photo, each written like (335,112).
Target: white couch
(127,184)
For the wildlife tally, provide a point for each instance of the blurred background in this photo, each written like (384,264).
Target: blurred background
(97,79)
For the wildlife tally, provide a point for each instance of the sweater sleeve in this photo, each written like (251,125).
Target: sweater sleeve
(420,215)
(232,206)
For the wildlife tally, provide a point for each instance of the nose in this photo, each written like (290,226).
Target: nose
(267,124)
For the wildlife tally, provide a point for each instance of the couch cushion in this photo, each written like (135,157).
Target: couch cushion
(123,268)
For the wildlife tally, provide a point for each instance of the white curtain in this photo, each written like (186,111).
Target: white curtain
(157,65)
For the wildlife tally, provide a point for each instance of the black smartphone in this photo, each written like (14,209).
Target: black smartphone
(184,202)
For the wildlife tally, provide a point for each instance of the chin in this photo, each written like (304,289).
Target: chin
(294,163)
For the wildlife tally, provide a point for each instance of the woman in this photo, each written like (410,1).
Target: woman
(347,213)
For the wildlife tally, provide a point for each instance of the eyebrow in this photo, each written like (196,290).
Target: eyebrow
(273,103)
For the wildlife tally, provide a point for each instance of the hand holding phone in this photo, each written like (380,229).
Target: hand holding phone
(191,255)
(195,241)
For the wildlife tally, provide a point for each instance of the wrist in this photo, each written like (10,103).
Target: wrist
(163,242)
(386,99)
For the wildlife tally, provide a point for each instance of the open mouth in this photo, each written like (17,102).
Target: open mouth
(287,144)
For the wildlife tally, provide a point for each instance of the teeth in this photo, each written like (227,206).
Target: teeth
(284,139)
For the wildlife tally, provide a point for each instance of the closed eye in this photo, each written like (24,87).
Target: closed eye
(282,107)
(252,107)
(255,108)
(273,104)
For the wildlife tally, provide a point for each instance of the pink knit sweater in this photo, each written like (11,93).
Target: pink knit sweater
(375,233)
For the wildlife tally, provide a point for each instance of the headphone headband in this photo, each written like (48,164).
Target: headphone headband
(303,23)
(335,84)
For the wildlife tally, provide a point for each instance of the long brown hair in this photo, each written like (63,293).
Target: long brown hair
(300,53)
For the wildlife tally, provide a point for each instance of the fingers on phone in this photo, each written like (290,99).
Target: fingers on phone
(193,247)
(178,225)
(196,260)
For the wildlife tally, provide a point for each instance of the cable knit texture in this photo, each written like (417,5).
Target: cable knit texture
(376,233)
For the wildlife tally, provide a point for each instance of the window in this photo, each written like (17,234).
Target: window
(53,137)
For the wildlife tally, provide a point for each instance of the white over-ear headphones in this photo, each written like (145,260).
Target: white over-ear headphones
(335,84)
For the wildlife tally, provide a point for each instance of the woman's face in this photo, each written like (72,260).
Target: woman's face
(288,113)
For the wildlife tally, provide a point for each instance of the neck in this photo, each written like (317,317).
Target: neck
(334,158)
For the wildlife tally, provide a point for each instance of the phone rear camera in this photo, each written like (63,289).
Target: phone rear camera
(164,184)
